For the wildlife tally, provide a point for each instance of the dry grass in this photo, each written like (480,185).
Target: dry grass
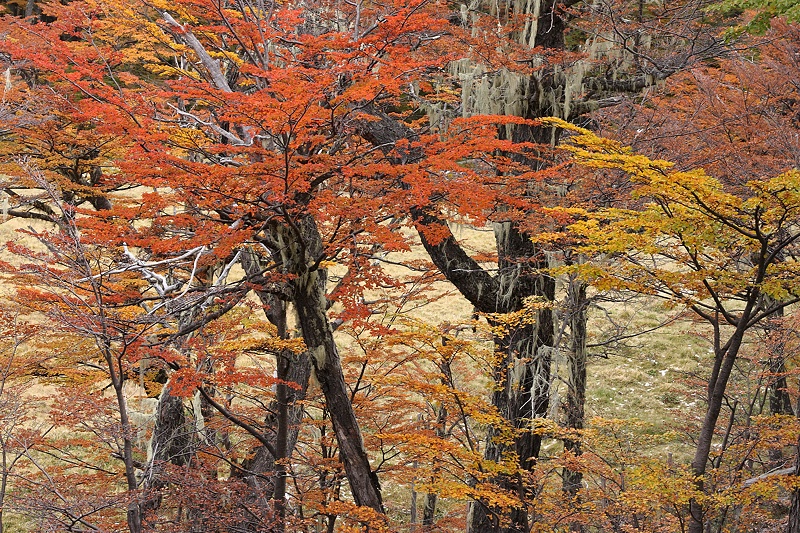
(641,378)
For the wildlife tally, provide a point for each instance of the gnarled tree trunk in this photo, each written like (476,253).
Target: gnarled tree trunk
(301,249)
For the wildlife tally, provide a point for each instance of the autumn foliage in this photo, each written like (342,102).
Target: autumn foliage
(218,319)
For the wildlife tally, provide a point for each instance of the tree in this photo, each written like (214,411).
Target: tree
(697,245)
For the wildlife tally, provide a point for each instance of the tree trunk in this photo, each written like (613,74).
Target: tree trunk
(431,498)
(522,388)
(576,393)
(429,512)
(522,376)
(30,8)
(134,511)
(172,442)
(327,367)
(301,248)
(3,482)
(716,394)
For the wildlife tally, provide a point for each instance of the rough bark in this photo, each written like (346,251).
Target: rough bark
(327,367)
(172,442)
(301,248)
(576,392)
(522,377)
(429,511)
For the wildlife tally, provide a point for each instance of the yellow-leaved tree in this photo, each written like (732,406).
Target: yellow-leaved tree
(729,258)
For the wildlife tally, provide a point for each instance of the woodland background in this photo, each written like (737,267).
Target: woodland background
(351,265)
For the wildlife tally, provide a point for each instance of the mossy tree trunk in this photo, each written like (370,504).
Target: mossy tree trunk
(300,245)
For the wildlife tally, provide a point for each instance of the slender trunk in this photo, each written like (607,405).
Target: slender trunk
(794,506)
(134,512)
(207,437)
(413,513)
(263,473)
(281,442)
(431,498)
(717,385)
(576,392)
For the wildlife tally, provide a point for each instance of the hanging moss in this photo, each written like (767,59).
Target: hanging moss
(501,92)
(549,91)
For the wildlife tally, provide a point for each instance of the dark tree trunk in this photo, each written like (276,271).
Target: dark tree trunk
(523,375)
(172,442)
(317,333)
(264,473)
(301,250)
(429,512)
(725,359)
(576,392)
(779,401)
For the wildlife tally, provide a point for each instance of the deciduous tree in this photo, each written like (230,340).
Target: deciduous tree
(696,244)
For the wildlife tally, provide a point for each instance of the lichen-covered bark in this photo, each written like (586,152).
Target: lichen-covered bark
(522,376)
(301,248)
(577,305)
(171,442)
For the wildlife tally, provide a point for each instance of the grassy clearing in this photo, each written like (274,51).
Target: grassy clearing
(643,378)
